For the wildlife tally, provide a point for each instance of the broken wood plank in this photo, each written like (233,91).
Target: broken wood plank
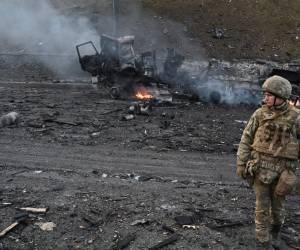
(18,219)
(6,203)
(174,237)
(34,210)
(9,228)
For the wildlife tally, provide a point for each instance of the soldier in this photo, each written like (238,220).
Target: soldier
(270,146)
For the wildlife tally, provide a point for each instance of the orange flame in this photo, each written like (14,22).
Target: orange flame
(142,94)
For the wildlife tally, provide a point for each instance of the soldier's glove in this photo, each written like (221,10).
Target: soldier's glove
(241,171)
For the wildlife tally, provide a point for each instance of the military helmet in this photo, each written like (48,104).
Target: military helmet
(278,86)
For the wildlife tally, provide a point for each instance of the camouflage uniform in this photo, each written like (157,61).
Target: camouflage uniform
(268,146)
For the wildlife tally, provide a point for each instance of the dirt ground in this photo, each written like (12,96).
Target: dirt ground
(104,178)
(109,182)
(265,29)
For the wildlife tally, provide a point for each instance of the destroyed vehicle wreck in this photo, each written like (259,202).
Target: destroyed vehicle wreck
(131,76)
(118,67)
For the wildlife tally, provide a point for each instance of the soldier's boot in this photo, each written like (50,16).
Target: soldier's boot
(276,236)
(262,245)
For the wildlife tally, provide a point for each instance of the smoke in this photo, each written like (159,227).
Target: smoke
(221,92)
(40,27)
(200,79)
(155,32)
(35,26)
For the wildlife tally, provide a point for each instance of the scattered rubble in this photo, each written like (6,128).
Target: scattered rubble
(46,226)
(9,119)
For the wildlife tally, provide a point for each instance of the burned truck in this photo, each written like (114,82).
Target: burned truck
(117,65)
(126,74)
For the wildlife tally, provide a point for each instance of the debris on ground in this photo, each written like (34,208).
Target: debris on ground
(9,119)
(34,210)
(100,156)
(173,238)
(19,218)
(46,226)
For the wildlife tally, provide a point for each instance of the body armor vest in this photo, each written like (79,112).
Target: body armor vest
(276,135)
